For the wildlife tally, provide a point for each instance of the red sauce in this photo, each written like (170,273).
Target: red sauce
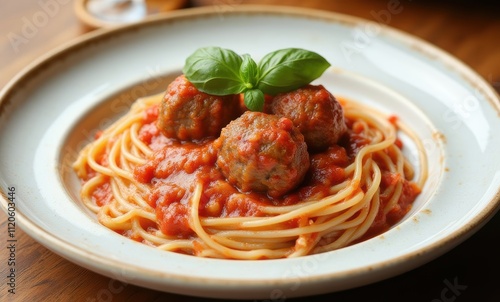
(102,194)
(173,172)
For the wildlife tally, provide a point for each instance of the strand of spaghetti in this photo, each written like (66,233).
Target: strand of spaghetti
(117,126)
(385,131)
(246,246)
(115,209)
(137,142)
(203,250)
(378,120)
(209,253)
(386,160)
(298,212)
(341,241)
(105,218)
(115,222)
(341,222)
(175,245)
(408,169)
(377,137)
(399,186)
(80,163)
(237,221)
(152,238)
(365,172)
(221,222)
(370,218)
(273,210)
(123,123)
(374,204)
(356,179)
(131,143)
(133,199)
(86,190)
(114,130)
(304,230)
(394,198)
(128,176)
(95,148)
(278,235)
(356,221)
(150,100)
(352,228)
(114,154)
(396,159)
(305,242)
(338,207)
(422,155)
(117,187)
(355,214)
(348,171)
(358,197)
(275,240)
(388,191)
(135,152)
(394,190)
(195,224)
(294,231)
(124,162)
(141,203)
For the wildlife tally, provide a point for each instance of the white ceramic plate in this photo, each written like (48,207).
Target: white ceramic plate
(52,108)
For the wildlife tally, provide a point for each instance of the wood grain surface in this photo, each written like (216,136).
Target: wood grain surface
(468,30)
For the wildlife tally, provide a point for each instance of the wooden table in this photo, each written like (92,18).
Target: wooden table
(469,30)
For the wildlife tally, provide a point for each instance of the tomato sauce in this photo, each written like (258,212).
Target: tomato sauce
(102,194)
(176,167)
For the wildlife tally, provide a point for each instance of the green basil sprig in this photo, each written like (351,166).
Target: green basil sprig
(220,71)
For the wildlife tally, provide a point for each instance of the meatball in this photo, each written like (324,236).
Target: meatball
(262,152)
(316,112)
(189,114)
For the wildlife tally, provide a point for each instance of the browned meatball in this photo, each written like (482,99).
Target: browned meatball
(189,114)
(315,111)
(262,152)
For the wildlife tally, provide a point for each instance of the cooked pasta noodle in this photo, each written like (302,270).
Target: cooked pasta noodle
(313,225)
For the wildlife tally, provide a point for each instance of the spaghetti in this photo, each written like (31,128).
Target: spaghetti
(178,212)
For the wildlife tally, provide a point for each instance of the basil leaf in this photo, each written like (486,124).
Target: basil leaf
(249,72)
(288,69)
(219,71)
(254,99)
(215,70)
